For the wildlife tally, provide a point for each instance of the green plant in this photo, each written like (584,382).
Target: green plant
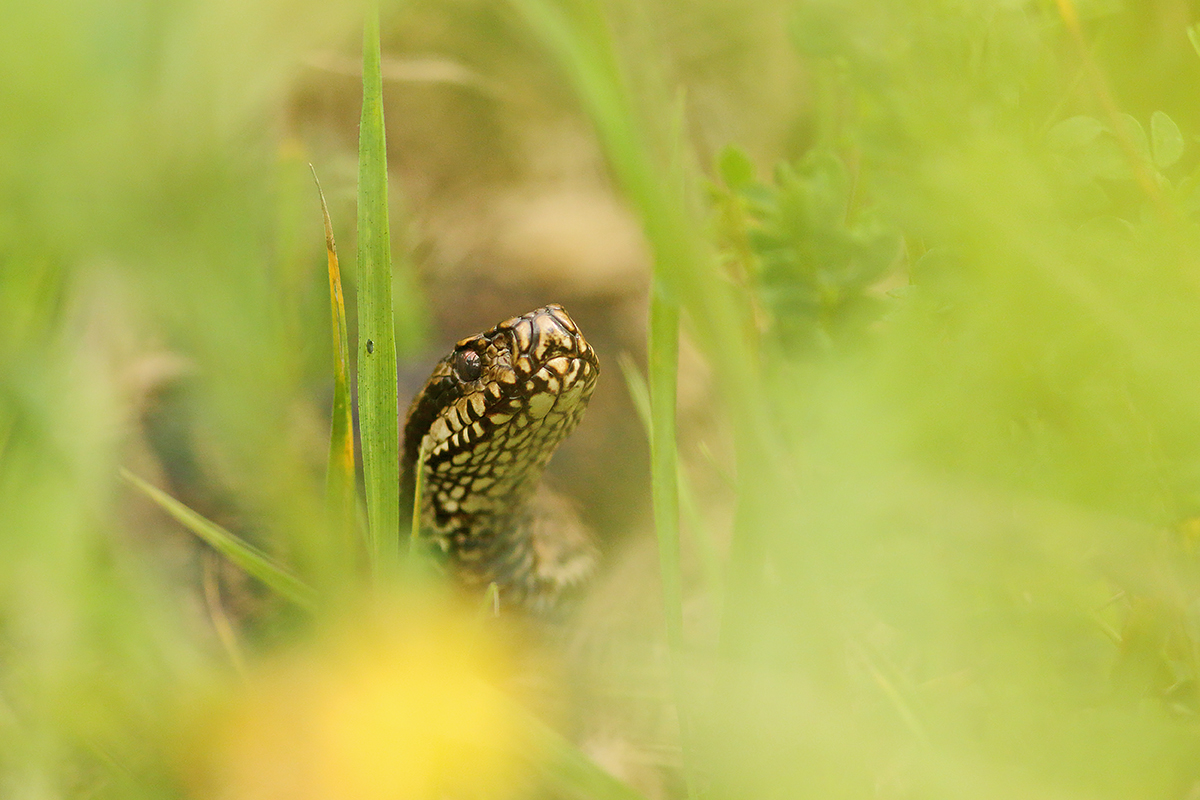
(942,470)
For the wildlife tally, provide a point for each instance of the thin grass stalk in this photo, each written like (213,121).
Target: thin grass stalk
(689,510)
(664,485)
(377,392)
(340,488)
(243,554)
(417,558)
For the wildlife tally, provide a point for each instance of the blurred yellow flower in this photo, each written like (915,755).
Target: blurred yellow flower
(400,703)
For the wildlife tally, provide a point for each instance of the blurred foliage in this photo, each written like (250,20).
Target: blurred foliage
(991,496)
(810,259)
(964,560)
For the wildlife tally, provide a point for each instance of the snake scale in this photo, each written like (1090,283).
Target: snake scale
(484,425)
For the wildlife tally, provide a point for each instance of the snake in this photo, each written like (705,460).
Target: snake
(481,430)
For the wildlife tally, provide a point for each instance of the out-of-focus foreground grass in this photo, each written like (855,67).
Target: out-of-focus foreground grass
(952,343)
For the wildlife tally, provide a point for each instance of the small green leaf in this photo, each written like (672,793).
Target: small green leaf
(1090,150)
(1074,133)
(829,187)
(1166,139)
(1189,194)
(1132,131)
(735,167)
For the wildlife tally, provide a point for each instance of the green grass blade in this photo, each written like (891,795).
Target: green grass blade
(664,366)
(639,392)
(664,489)
(377,402)
(417,562)
(689,508)
(340,490)
(414,533)
(241,553)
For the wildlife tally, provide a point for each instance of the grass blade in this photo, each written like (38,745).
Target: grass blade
(663,371)
(377,402)
(340,489)
(663,368)
(689,508)
(242,553)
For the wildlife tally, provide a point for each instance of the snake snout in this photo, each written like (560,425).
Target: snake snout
(553,366)
(541,336)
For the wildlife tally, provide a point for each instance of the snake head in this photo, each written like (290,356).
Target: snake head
(494,410)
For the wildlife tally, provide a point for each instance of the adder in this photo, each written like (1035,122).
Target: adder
(483,427)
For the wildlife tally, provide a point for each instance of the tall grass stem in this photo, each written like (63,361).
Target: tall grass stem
(377,393)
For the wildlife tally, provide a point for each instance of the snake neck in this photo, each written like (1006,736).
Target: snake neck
(534,556)
(480,522)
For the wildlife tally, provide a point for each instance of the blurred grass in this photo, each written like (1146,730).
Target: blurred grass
(245,556)
(951,339)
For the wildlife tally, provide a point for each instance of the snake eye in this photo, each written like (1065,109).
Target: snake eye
(467,365)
